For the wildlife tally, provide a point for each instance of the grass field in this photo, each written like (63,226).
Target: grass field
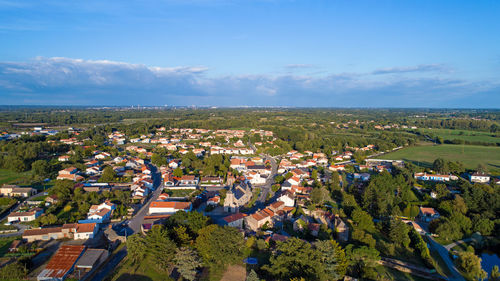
(143,271)
(11,177)
(470,155)
(449,134)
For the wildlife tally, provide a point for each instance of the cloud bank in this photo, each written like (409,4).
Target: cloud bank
(67,81)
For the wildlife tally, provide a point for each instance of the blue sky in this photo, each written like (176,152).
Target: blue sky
(257,53)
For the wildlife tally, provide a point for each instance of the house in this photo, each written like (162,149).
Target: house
(288,198)
(170,207)
(71,231)
(101,212)
(89,262)
(235,220)
(188,180)
(337,168)
(362,176)
(342,229)
(52,199)
(71,177)
(428,214)
(433,177)
(68,171)
(258,219)
(213,201)
(237,196)
(294,180)
(15,191)
(479,177)
(61,263)
(85,231)
(30,215)
(63,158)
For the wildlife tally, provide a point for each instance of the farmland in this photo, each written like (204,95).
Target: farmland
(469,136)
(470,155)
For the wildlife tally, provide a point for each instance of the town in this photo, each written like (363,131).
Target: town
(193,203)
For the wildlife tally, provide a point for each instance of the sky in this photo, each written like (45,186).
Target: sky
(352,53)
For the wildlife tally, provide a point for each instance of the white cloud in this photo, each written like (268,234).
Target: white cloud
(76,81)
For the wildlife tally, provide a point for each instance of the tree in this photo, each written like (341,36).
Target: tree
(135,247)
(471,264)
(41,168)
(333,258)
(362,260)
(219,247)
(495,275)
(295,258)
(108,175)
(63,189)
(440,166)
(158,160)
(187,261)
(398,233)
(178,172)
(159,247)
(252,276)
(319,195)
(363,220)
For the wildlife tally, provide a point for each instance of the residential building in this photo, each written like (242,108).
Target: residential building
(428,214)
(169,207)
(30,215)
(16,191)
(61,263)
(479,177)
(235,220)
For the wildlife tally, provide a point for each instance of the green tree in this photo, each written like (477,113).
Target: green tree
(159,247)
(41,168)
(398,233)
(187,261)
(136,246)
(158,160)
(362,261)
(108,175)
(440,166)
(333,258)
(495,275)
(252,276)
(219,247)
(178,172)
(295,258)
(471,264)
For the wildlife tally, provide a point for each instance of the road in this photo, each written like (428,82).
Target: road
(443,252)
(266,188)
(134,225)
(136,221)
(20,230)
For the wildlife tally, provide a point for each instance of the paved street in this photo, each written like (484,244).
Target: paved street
(135,225)
(443,252)
(266,188)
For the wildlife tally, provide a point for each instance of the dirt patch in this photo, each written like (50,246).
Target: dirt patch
(235,273)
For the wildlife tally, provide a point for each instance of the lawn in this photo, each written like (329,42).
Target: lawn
(11,177)
(449,134)
(470,155)
(128,271)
